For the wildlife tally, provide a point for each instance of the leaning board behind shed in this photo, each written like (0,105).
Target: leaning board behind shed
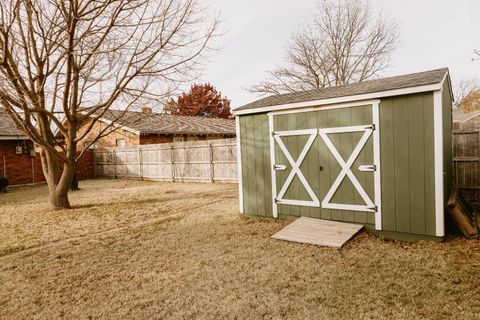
(376,153)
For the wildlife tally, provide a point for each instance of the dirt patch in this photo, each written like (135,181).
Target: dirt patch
(209,262)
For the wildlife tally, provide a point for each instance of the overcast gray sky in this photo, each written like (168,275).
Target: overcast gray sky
(433,34)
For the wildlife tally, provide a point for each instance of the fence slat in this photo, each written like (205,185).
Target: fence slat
(210,160)
(466,156)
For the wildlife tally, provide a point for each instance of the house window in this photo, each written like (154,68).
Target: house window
(177,139)
(120,143)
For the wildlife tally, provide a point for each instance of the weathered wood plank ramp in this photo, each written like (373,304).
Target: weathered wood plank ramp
(319,232)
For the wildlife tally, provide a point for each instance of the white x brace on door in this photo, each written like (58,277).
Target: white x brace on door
(347,168)
(312,133)
(369,131)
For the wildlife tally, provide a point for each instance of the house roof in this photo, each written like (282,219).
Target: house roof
(464,117)
(8,129)
(365,87)
(157,123)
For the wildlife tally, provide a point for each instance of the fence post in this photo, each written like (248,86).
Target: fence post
(210,152)
(477,181)
(172,164)
(114,165)
(140,162)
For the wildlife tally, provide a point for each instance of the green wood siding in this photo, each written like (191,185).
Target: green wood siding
(407,158)
(255,144)
(447,139)
(406,153)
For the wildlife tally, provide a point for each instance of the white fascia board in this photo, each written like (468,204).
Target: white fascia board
(367,96)
(327,107)
(447,78)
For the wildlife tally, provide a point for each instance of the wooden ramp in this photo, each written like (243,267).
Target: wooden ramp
(319,232)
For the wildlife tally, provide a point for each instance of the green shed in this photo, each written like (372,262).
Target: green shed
(376,153)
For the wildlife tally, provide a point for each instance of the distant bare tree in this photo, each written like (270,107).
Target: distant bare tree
(345,43)
(63,62)
(476,54)
(462,89)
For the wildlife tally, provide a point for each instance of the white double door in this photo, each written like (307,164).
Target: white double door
(290,148)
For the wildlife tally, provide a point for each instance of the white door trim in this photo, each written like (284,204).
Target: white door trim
(376,148)
(239,163)
(295,164)
(376,160)
(272,164)
(346,168)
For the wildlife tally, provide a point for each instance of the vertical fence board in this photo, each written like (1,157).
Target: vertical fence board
(211,160)
(466,155)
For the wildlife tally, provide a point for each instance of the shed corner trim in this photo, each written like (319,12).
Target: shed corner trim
(438,162)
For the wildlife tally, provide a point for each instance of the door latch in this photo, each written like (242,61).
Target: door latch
(367,168)
(279,167)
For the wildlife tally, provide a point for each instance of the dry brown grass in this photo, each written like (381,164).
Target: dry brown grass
(196,257)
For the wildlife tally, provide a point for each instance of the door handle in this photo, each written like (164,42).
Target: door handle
(367,168)
(279,167)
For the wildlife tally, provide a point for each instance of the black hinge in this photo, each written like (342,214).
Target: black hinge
(375,208)
(372,127)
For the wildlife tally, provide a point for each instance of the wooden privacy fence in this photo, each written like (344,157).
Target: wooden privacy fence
(208,160)
(216,160)
(466,156)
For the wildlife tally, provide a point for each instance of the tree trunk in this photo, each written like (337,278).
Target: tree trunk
(74,184)
(59,200)
(58,180)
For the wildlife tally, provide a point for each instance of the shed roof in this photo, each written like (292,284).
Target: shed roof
(157,123)
(370,86)
(8,129)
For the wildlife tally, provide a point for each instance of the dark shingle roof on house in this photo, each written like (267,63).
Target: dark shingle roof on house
(156,123)
(365,87)
(8,127)
(464,117)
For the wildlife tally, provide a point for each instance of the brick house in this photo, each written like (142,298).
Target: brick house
(20,163)
(145,127)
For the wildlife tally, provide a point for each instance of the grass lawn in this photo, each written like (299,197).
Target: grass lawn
(151,250)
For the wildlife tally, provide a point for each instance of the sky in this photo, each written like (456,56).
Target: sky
(433,34)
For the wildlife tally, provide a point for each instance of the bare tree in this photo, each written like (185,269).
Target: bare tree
(345,43)
(462,89)
(63,62)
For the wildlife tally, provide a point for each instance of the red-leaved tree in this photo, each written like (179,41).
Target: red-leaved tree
(202,100)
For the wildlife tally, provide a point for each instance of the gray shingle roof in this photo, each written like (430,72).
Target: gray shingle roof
(464,117)
(370,86)
(7,126)
(156,123)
